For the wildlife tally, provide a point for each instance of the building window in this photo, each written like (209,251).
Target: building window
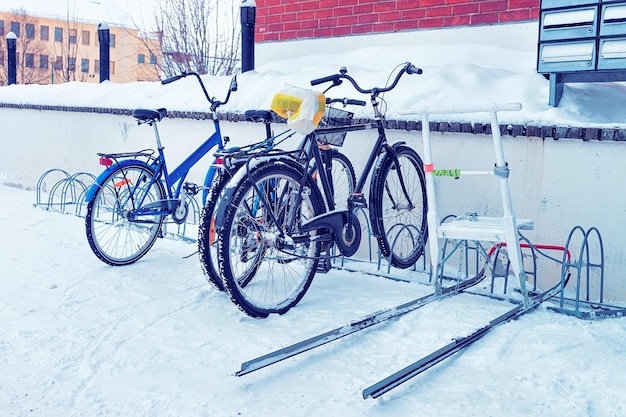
(112,67)
(43,62)
(111,40)
(58,64)
(1,27)
(153,60)
(141,59)
(15,28)
(72,36)
(84,65)
(30,31)
(30,61)
(85,37)
(1,58)
(71,64)
(58,34)
(44,33)
(96,66)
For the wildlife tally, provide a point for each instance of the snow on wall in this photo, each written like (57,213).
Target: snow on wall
(557,183)
(279,20)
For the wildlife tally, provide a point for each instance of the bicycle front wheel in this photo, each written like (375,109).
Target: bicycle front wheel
(266,264)
(207,238)
(115,234)
(344,179)
(398,207)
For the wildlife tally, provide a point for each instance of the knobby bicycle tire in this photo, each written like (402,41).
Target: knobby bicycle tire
(265,272)
(400,224)
(344,180)
(207,238)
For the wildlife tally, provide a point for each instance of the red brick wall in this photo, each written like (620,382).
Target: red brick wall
(299,19)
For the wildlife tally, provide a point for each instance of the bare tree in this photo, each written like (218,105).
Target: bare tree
(28,49)
(196,35)
(65,48)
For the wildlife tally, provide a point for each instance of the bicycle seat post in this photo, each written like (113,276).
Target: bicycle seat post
(156,135)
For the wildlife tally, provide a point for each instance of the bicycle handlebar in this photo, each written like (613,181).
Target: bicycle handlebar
(214,102)
(174,78)
(333,78)
(346,101)
(374,91)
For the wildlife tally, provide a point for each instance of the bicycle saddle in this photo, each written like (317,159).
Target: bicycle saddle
(149,116)
(263,116)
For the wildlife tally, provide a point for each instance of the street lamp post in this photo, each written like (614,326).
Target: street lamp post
(12,58)
(248,20)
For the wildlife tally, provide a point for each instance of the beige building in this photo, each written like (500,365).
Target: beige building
(53,51)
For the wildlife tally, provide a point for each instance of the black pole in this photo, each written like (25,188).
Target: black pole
(12,58)
(248,20)
(105,39)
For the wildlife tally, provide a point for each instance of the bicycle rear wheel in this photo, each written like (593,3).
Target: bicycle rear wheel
(265,267)
(398,217)
(113,237)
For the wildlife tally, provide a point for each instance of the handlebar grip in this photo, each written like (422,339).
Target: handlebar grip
(174,78)
(355,102)
(325,79)
(412,69)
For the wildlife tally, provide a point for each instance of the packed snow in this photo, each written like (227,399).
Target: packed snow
(80,338)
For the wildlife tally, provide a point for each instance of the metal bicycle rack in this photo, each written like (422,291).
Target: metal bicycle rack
(68,192)
(362,212)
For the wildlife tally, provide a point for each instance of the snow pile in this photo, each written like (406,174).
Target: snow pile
(453,74)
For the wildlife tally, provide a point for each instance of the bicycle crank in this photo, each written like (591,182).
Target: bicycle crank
(348,239)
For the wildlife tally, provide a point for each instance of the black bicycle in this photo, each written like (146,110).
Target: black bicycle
(229,161)
(275,219)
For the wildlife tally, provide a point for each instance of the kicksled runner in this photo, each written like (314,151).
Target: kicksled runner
(497,249)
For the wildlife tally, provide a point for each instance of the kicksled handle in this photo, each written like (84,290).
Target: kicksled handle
(464,108)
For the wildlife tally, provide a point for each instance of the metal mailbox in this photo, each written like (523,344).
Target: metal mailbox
(581,41)
(553,4)
(580,22)
(613,20)
(612,53)
(567,56)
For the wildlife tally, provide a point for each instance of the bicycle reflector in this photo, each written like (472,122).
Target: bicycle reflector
(107,162)
(219,161)
(122,183)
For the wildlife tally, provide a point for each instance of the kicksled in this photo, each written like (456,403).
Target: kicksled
(496,249)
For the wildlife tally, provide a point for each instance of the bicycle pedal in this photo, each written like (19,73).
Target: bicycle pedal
(191,188)
(323,266)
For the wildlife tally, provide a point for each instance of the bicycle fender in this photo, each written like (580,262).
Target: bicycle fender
(208,179)
(382,158)
(91,192)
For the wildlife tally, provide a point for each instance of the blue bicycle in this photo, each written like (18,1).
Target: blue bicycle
(136,193)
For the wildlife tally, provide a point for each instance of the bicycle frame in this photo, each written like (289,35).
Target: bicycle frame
(337,220)
(174,180)
(178,174)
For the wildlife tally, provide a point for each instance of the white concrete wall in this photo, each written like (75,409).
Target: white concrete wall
(559,184)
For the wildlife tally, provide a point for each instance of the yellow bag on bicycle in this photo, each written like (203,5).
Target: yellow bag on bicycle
(302,108)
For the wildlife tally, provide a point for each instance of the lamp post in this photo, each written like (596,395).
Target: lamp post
(12,58)
(248,20)
(105,39)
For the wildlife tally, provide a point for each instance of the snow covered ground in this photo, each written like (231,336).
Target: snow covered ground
(80,338)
